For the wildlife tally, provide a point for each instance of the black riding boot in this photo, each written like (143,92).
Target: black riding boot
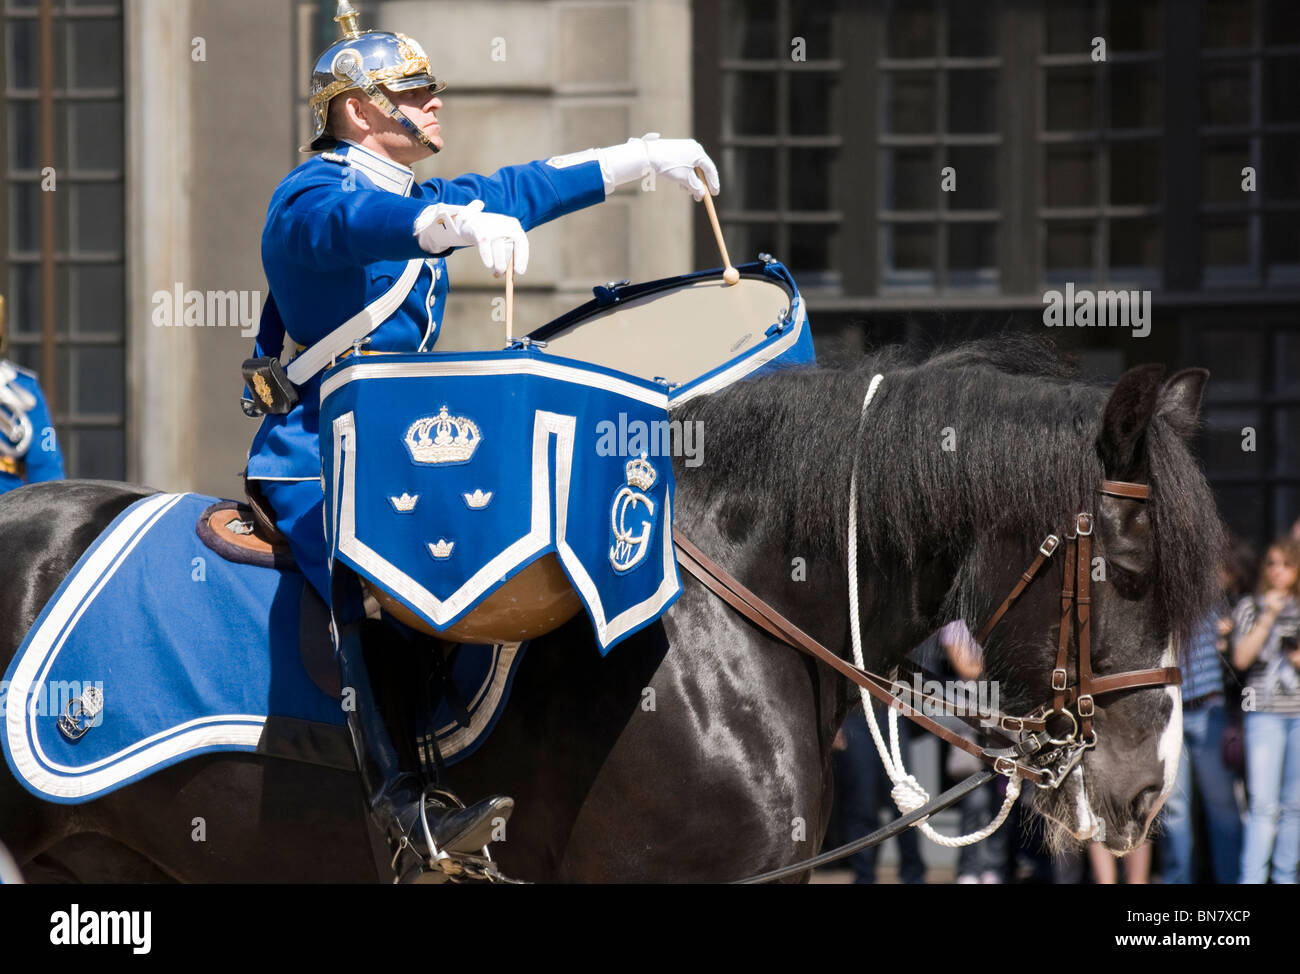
(393,795)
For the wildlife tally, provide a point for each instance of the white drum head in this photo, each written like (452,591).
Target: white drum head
(678,334)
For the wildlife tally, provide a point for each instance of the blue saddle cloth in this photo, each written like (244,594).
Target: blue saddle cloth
(162,650)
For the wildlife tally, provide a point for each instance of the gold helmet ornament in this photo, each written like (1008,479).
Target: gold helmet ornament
(362,61)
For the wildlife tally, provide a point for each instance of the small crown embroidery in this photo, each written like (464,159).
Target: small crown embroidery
(478,499)
(442,439)
(442,549)
(92,702)
(640,474)
(404,504)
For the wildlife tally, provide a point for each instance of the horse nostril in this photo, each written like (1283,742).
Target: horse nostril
(1144,804)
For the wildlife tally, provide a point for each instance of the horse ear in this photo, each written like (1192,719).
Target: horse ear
(1129,409)
(1180,401)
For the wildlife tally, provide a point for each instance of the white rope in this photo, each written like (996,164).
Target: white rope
(907,792)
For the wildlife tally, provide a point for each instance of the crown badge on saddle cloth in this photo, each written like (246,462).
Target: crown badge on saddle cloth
(440,512)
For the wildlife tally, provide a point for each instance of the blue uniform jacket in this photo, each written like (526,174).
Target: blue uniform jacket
(43,460)
(339,232)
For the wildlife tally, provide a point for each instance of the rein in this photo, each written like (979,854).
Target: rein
(1030,749)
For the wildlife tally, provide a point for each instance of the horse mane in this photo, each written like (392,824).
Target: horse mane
(1021,427)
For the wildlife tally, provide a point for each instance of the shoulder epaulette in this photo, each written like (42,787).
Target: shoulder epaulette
(334,157)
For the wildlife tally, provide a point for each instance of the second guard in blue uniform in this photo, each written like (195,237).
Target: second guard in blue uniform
(29,448)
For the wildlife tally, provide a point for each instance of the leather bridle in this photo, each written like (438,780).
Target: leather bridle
(1021,745)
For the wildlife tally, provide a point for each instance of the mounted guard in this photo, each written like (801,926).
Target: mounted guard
(354,252)
(29,450)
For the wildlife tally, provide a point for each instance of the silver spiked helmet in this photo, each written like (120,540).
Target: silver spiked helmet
(364,60)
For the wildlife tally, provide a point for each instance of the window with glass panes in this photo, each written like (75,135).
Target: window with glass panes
(1250,439)
(780,150)
(939,142)
(86,238)
(1117,172)
(1250,117)
(1101,142)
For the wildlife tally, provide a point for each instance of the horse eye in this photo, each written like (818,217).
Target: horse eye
(1129,585)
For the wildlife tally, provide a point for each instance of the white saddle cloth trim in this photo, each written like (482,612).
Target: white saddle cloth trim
(62,782)
(361,324)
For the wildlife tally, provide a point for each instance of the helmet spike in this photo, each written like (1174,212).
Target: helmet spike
(346,18)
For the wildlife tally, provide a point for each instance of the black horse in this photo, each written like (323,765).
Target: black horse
(968,458)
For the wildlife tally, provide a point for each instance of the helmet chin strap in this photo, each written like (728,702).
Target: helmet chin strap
(347,65)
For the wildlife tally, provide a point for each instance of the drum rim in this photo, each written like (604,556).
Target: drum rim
(773,272)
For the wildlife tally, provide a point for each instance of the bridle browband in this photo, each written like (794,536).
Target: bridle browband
(1028,747)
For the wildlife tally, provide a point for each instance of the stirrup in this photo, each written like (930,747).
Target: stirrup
(441,865)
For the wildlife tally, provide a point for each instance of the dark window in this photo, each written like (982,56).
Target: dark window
(1125,171)
(80,351)
(1250,441)
(939,145)
(1101,143)
(781,154)
(1250,119)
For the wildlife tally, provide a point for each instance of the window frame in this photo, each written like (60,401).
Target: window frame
(60,340)
(1022,279)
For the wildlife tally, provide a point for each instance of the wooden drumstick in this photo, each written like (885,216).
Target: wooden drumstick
(510,299)
(730,275)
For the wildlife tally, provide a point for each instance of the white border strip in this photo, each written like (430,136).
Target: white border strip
(513,366)
(44,645)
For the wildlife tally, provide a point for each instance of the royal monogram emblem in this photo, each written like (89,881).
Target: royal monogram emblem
(632,540)
(442,439)
(80,713)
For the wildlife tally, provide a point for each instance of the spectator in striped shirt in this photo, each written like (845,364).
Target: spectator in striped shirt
(1267,647)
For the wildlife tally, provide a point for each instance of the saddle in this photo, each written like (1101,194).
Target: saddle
(245,533)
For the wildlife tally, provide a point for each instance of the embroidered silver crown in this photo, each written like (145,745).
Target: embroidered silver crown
(442,439)
(404,504)
(478,499)
(441,549)
(640,474)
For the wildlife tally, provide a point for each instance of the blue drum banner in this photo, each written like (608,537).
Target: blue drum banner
(445,474)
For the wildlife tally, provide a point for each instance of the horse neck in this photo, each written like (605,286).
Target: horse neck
(950,457)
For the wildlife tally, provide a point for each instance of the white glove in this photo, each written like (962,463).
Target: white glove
(674,158)
(445,225)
